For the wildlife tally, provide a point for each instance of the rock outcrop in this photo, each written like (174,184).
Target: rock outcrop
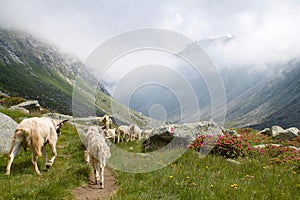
(179,134)
(7,128)
(27,107)
(278,133)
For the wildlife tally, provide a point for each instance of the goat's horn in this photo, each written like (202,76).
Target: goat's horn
(63,121)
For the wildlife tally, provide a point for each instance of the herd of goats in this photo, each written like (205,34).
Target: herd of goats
(34,133)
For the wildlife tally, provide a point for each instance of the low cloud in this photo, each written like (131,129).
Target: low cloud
(266,32)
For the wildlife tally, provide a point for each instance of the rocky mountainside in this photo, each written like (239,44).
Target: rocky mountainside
(276,102)
(33,69)
(255,97)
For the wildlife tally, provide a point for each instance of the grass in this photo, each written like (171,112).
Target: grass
(189,177)
(211,177)
(68,172)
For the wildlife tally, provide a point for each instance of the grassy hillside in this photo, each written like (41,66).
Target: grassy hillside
(45,85)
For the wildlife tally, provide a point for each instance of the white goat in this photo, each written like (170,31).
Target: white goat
(99,152)
(122,132)
(35,133)
(135,132)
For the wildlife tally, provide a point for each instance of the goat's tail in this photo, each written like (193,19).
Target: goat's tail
(33,140)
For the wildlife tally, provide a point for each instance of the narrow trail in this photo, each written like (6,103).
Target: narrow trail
(91,191)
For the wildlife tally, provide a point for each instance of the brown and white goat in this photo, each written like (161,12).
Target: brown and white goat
(35,133)
(122,133)
(106,120)
(98,153)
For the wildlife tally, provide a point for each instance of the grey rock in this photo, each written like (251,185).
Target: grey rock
(276,130)
(294,130)
(180,134)
(231,132)
(233,161)
(3,94)
(266,131)
(260,146)
(20,109)
(31,106)
(279,133)
(7,129)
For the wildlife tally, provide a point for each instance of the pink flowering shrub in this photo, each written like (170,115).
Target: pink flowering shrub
(230,146)
(227,145)
(282,155)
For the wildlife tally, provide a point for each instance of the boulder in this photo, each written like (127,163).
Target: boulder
(19,109)
(7,129)
(295,131)
(231,132)
(279,133)
(30,106)
(260,146)
(179,134)
(276,130)
(266,131)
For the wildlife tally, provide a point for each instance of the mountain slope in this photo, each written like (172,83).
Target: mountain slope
(275,103)
(35,70)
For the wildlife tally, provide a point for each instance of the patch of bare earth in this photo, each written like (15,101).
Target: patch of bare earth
(91,191)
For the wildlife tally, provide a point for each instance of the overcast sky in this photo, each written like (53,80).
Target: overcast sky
(264,31)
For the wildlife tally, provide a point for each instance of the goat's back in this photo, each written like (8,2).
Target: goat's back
(97,145)
(35,132)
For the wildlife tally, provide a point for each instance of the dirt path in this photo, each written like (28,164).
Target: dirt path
(91,191)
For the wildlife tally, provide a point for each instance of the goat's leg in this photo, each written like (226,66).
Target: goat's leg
(16,146)
(54,154)
(87,156)
(34,163)
(44,155)
(102,176)
(118,137)
(96,171)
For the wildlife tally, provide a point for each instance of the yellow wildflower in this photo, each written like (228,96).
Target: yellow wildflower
(234,186)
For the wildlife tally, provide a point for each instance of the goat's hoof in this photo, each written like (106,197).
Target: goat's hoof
(7,173)
(48,165)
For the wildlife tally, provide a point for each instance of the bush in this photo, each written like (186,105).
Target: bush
(227,146)
(230,146)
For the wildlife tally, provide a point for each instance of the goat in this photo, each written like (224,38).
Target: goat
(35,133)
(106,120)
(122,132)
(110,133)
(98,153)
(135,132)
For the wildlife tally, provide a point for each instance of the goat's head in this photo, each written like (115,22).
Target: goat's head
(58,125)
